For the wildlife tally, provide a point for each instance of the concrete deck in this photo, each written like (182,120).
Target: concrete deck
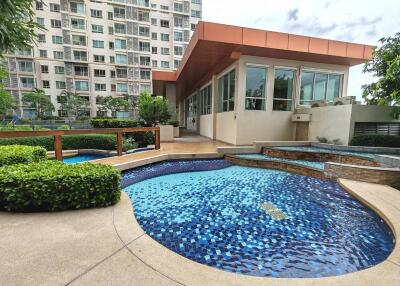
(107,247)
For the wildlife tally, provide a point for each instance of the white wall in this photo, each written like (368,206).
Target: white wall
(226,127)
(206,125)
(332,122)
(171,97)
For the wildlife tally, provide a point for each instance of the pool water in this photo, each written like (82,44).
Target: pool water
(323,150)
(83,158)
(312,164)
(260,222)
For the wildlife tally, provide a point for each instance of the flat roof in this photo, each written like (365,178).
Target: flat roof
(214,46)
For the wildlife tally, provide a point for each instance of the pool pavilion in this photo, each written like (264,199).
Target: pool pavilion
(240,85)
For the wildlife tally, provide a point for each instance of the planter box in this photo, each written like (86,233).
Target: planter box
(166,133)
(176,132)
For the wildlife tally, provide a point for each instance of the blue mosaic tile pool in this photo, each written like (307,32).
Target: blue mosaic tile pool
(257,221)
(83,158)
(323,150)
(312,164)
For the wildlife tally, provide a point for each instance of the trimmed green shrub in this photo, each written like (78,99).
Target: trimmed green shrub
(16,154)
(113,123)
(16,128)
(55,186)
(174,123)
(376,141)
(72,142)
(64,127)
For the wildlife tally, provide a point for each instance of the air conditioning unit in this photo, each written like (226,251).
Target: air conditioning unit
(318,103)
(344,100)
(301,117)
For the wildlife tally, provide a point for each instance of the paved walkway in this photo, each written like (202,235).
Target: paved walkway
(189,143)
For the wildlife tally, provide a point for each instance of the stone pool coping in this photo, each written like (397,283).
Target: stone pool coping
(382,199)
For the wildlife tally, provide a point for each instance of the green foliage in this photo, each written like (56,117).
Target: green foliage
(55,186)
(16,128)
(174,123)
(16,154)
(112,104)
(153,110)
(385,65)
(64,127)
(17,25)
(75,105)
(72,142)
(38,100)
(113,123)
(6,100)
(322,139)
(376,141)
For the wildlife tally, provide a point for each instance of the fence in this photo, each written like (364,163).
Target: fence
(59,133)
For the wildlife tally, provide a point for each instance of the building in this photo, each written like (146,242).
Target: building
(241,85)
(101,48)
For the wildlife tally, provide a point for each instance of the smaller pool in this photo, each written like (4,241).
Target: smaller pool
(323,150)
(312,164)
(83,158)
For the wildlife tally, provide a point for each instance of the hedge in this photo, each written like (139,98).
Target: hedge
(55,186)
(141,138)
(72,142)
(376,141)
(16,154)
(113,123)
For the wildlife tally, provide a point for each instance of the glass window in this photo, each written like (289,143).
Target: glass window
(119,28)
(43,53)
(122,87)
(120,44)
(55,23)
(27,82)
(255,88)
(178,51)
(58,55)
(165,51)
(44,68)
(54,7)
(77,7)
(283,90)
(80,55)
(333,87)
(226,92)
(121,59)
(98,59)
(97,29)
(144,46)
(119,12)
(57,39)
(59,69)
(25,66)
(165,64)
(79,40)
(145,74)
(178,36)
(205,100)
(82,85)
(98,44)
(60,84)
(42,38)
(78,23)
(164,37)
(319,86)
(164,23)
(40,21)
(122,73)
(96,13)
(144,31)
(191,106)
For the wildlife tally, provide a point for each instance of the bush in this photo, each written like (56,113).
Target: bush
(71,142)
(16,154)
(113,123)
(174,123)
(376,141)
(64,127)
(55,186)
(16,128)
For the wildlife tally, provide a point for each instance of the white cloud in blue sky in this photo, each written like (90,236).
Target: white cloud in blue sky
(359,21)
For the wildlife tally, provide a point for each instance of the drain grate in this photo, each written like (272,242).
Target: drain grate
(273,211)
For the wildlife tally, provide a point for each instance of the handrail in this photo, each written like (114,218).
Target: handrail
(58,133)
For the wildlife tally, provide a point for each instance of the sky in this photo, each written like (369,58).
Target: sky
(359,21)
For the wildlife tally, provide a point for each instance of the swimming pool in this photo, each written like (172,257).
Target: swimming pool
(83,158)
(260,222)
(312,164)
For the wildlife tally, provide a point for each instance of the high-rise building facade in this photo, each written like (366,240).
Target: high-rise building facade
(101,48)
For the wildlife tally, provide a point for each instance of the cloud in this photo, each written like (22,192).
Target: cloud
(310,26)
(292,14)
(362,22)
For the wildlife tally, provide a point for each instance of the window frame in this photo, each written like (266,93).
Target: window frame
(227,72)
(319,71)
(294,85)
(266,68)
(206,109)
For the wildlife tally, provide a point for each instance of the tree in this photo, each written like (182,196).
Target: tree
(153,110)
(112,104)
(75,105)
(385,65)
(17,25)
(38,100)
(6,100)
